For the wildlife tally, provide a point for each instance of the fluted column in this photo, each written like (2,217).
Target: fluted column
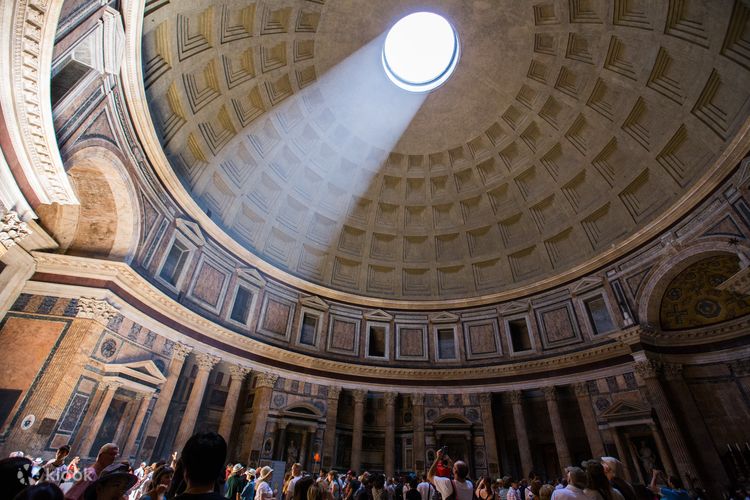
(20,265)
(329,439)
(164,398)
(96,423)
(359,416)
(622,454)
(205,363)
(417,400)
(589,420)
(390,434)
(144,400)
(490,441)
(558,431)
(261,403)
(237,378)
(649,370)
(663,450)
(516,399)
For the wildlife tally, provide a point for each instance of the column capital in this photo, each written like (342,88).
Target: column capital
(112,385)
(648,368)
(390,398)
(206,361)
(334,392)
(359,396)
(140,396)
(516,397)
(740,367)
(181,351)
(672,371)
(485,398)
(417,398)
(12,229)
(238,372)
(550,392)
(581,389)
(100,311)
(265,379)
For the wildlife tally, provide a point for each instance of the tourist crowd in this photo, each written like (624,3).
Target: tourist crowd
(200,473)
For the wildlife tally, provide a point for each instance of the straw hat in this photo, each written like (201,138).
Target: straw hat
(237,468)
(265,472)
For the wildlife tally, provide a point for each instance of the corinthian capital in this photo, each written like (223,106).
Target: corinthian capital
(740,367)
(264,379)
(516,397)
(485,399)
(100,311)
(181,351)
(390,398)
(550,393)
(648,368)
(206,361)
(672,371)
(359,396)
(333,392)
(12,229)
(238,372)
(582,389)
(417,399)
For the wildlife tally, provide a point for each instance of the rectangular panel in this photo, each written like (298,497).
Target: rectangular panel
(482,339)
(558,325)
(343,335)
(411,342)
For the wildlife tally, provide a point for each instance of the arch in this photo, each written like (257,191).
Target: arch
(651,293)
(452,419)
(106,222)
(302,409)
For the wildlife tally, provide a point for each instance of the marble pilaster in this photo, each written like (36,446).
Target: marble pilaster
(237,378)
(390,434)
(490,440)
(558,430)
(596,444)
(519,420)
(360,396)
(206,362)
(329,438)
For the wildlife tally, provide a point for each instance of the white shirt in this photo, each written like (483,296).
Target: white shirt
(263,491)
(616,495)
(569,491)
(426,490)
(464,491)
(290,488)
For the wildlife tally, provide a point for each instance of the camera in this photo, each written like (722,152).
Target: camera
(443,450)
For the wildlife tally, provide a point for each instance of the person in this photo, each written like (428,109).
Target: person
(379,491)
(426,490)
(597,484)
(141,471)
(502,491)
(15,474)
(248,492)
(113,481)
(263,489)
(673,490)
(302,486)
(413,493)
(484,489)
(296,476)
(576,479)
(203,458)
(322,479)
(534,489)
(55,469)
(160,482)
(335,487)
(317,491)
(235,483)
(613,470)
(460,487)
(545,493)
(513,492)
(351,489)
(41,491)
(106,457)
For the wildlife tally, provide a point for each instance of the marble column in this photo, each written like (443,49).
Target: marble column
(558,431)
(516,399)
(649,370)
(280,441)
(101,412)
(390,434)
(237,378)
(712,473)
(20,265)
(490,440)
(329,439)
(417,415)
(622,454)
(126,420)
(261,403)
(179,353)
(663,450)
(360,395)
(304,448)
(589,420)
(205,363)
(144,401)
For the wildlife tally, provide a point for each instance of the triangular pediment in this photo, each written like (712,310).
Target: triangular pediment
(585,285)
(191,230)
(144,371)
(625,410)
(378,315)
(444,317)
(517,306)
(314,302)
(251,275)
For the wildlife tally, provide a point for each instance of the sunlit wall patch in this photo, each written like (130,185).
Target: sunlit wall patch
(420,52)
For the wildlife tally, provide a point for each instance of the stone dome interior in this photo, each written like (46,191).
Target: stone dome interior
(568,132)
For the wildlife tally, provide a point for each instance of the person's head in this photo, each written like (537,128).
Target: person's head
(236,469)
(675,483)
(611,466)
(15,474)
(265,474)
(545,493)
(296,469)
(144,465)
(41,491)
(536,486)
(354,484)
(250,474)
(513,483)
(301,486)
(595,478)
(315,491)
(331,475)
(413,482)
(162,477)
(576,476)
(62,452)
(107,455)
(460,470)
(203,458)
(112,483)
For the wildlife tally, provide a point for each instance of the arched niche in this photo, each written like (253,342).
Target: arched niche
(723,257)
(106,222)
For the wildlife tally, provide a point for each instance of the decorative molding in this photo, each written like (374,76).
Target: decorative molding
(737,283)
(12,229)
(314,302)
(647,369)
(485,399)
(444,317)
(378,315)
(100,311)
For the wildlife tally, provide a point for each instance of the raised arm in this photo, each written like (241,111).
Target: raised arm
(433,467)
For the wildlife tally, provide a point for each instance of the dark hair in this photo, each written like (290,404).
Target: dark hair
(203,457)
(413,482)
(178,480)
(536,485)
(42,491)
(65,447)
(676,482)
(507,481)
(462,470)
(15,474)
(597,480)
(301,486)
(158,475)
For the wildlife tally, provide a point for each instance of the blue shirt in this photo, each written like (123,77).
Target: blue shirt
(671,494)
(248,493)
